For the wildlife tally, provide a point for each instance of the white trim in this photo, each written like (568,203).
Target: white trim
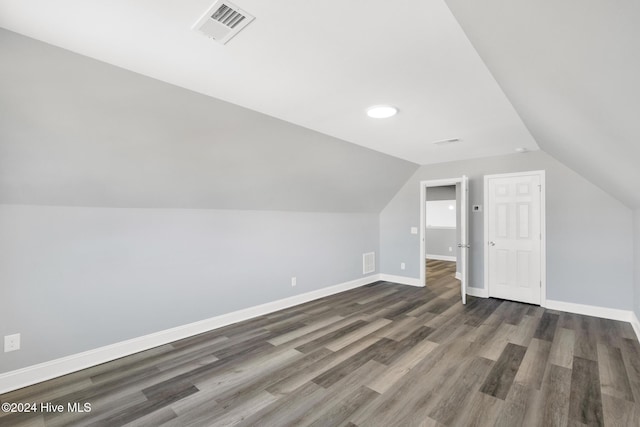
(591,310)
(635,324)
(477,292)
(543,229)
(440,257)
(441,182)
(403,280)
(543,240)
(485,233)
(459,276)
(465,253)
(19,378)
(440,227)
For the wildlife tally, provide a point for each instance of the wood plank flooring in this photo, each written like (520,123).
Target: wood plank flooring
(380,355)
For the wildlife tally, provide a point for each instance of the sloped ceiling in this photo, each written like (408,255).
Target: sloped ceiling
(571,69)
(78,132)
(317,64)
(495,74)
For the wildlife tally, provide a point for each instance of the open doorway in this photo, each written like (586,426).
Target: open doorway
(444,233)
(442,224)
(442,228)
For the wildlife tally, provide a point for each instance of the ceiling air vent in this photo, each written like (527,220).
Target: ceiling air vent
(223,21)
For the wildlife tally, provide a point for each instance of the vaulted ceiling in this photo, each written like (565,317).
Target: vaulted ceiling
(498,75)
(78,132)
(571,69)
(317,64)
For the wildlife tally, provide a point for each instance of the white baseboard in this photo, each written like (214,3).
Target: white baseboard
(441,257)
(403,280)
(458,275)
(595,311)
(590,310)
(477,292)
(19,378)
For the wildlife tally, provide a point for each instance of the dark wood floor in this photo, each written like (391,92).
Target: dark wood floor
(381,355)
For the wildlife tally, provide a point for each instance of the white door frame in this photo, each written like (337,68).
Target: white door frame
(543,230)
(423,200)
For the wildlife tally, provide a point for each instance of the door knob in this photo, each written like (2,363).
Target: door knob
(492,243)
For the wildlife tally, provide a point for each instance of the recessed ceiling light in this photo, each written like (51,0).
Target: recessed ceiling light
(521,150)
(382,111)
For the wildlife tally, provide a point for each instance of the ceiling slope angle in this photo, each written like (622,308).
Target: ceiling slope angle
(315,64)
(571,71)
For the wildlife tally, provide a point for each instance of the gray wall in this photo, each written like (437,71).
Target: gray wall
(445,192)
(74,279)
(98,166)
(458,229)
(636,262)
(128,206)
(438,241)
(589,233)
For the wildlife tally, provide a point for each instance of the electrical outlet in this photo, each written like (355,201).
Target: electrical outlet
(402,266)
(294,282)
(450,249)
(11,343)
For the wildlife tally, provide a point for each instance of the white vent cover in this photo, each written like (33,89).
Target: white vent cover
(223,21)
(368,262)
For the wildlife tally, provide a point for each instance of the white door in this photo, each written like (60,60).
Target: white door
(464,237)
(514,236)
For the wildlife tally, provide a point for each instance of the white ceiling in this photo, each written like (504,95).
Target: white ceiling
(316,64)
(571,69)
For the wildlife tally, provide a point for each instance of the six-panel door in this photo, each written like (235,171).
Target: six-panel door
(514,238)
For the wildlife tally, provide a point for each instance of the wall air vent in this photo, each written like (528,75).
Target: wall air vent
(223,21)
(368,262)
